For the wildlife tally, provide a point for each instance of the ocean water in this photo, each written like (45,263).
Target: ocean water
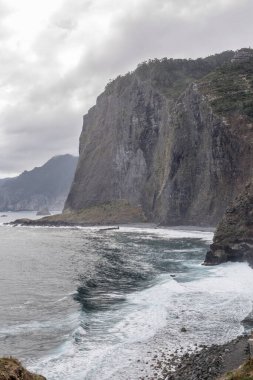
(84,304)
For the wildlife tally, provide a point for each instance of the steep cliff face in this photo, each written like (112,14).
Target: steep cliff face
(173,139)
(46,186)
(233,239)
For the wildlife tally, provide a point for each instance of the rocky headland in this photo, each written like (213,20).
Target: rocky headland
(173,139)
(170,143)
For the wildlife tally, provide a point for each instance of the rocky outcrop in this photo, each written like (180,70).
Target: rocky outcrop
(173,138)
(12,369)
(43,187)
(233,239)
(170,143)
(110,213)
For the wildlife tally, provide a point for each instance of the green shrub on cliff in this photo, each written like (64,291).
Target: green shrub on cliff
(230,89)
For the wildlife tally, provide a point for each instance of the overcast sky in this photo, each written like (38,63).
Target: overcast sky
(56,56)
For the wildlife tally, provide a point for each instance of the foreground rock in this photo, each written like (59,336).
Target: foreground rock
(206,363)
(12,369)
(233,239)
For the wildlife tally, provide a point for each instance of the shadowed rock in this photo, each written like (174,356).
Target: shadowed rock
(233,239)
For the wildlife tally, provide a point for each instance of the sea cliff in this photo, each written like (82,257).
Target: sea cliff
(173,138)
(169,143)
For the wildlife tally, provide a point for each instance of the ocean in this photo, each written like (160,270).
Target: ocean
(84,304)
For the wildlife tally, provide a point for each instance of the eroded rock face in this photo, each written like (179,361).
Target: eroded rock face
(12,369)
(171,138)
(233,239)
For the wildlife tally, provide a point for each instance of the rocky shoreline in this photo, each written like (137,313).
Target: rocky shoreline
(199,363)
(204,363)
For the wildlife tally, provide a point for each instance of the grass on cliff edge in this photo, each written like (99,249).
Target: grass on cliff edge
(245,372)
(230,89)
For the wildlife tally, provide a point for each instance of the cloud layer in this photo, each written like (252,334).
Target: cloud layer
(56,60)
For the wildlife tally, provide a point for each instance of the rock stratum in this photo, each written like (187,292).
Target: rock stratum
(43,187)
(169,143)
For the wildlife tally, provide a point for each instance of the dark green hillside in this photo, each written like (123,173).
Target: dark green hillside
(230,89)
(171,76)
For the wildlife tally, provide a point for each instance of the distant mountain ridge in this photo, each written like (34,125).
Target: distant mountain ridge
(3,180)
(45,186)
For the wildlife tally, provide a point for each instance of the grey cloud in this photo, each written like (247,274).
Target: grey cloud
(37,136)
(5,11)
(45,115)
(66,23)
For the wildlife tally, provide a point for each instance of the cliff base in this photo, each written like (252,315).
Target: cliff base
(107,214)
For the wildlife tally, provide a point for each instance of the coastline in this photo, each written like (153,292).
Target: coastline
(193,361)
(204,363)
(46,222)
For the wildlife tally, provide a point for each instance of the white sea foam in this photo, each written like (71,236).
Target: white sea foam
(205,306)
(105,344)
(170,233)
(148,232)
(230,277)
